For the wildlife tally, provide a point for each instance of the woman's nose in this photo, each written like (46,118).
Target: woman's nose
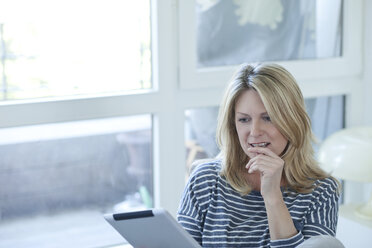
(256,129)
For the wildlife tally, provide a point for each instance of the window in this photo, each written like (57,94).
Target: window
(76,127)
(235,32)
(66,175)
(74,47)
(219,35)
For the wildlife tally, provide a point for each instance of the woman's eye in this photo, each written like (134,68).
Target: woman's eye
(243,120)
(266,118)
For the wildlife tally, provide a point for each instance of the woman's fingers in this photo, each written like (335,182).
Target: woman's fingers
(263,158)
(265,161)
(263,165)
(262,150)
(270,166)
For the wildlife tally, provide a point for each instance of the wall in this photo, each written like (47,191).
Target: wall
(367,75)
(367,66)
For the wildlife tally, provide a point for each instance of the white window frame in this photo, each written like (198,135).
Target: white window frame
(179,87)
(169,169)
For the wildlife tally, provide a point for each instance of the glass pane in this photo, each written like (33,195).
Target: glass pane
(74,47)
(57,180)
(234,32)
(326,114)
(200,132)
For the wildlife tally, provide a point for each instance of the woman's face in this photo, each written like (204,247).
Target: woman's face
(254,126)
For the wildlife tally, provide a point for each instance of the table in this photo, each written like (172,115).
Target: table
(352,230)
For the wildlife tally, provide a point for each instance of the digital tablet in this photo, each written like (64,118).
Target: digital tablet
(153,228)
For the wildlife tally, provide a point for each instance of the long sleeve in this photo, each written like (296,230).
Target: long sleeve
(195,200)
(189,214)
(321,217)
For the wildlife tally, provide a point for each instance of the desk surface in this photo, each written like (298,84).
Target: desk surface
(352,230)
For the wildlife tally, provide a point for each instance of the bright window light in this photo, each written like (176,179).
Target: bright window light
(73,47)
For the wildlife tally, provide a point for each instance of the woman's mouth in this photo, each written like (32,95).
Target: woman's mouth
(261,144)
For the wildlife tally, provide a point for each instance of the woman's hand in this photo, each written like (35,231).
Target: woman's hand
(270,167)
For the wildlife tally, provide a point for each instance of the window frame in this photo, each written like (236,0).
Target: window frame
(168,179)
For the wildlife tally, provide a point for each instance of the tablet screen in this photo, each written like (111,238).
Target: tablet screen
(154,228)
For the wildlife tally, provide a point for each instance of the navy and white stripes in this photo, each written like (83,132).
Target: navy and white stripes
(218,216)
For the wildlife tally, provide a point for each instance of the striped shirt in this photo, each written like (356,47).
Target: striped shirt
(216,215)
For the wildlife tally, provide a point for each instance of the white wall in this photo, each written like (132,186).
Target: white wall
(367,66)
(367,75)
(356,192)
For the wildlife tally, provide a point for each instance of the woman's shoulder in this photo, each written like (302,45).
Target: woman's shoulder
(326,188)
(205,172)
(329,184)
(203,180)
(206,167)
(324,191)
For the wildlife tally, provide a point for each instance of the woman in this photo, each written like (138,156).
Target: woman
(265,189)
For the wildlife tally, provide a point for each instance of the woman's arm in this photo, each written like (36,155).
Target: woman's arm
(322,216)
(281,225)
(188,214)
(270,167)
(195,199)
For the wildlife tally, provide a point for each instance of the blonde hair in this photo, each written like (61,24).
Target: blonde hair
(285,105)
